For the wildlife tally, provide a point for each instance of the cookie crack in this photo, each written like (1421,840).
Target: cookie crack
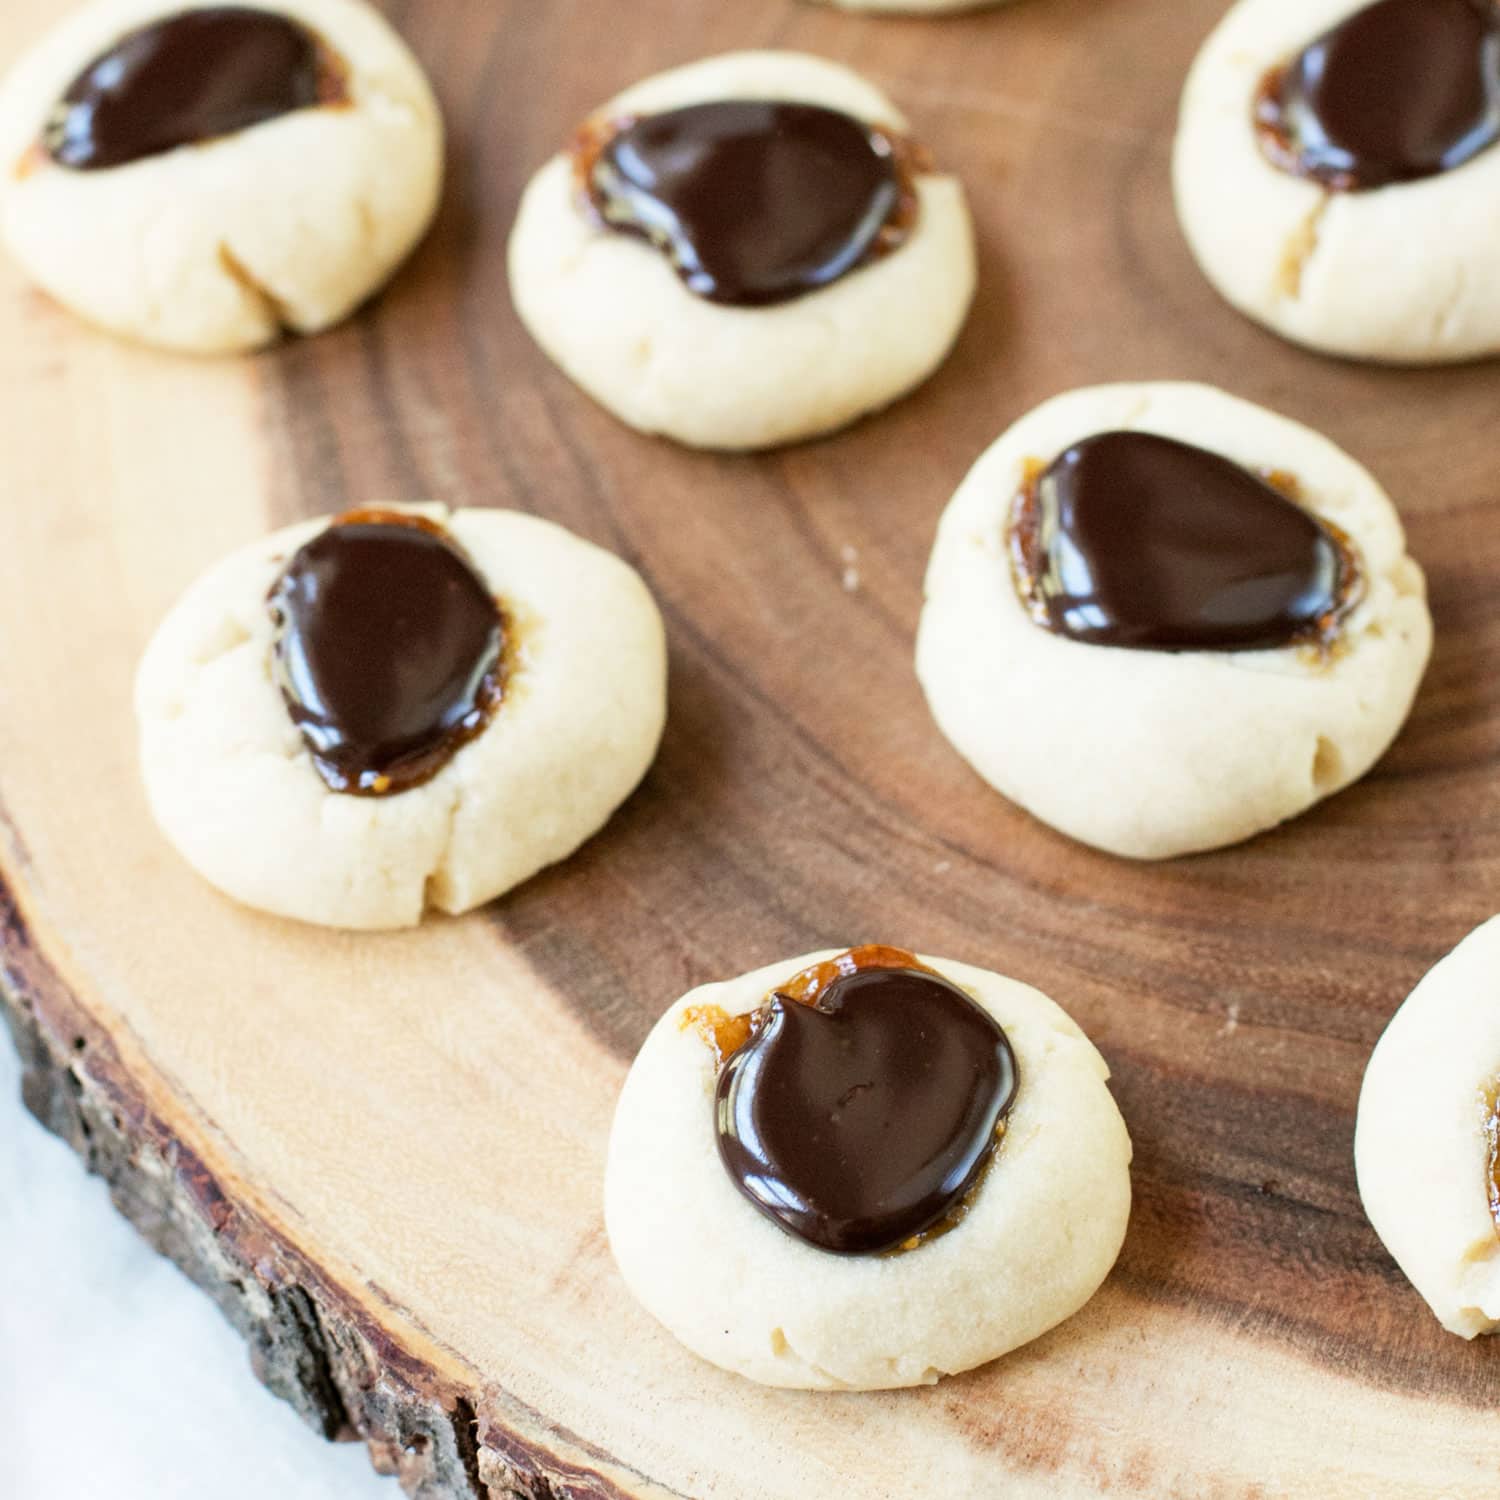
(437,876)
(369,227)
(1442,330)
(1299,250)
(272,307)
(783,1348)
(229,634)
(1327,768)
(930,1375)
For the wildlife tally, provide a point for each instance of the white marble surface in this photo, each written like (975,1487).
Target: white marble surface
(119,1378)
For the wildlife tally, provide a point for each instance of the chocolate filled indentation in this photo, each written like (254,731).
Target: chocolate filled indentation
(752,202)
(188,78)
(861,1104)
(1401,90)
(1129,539)
(389,650)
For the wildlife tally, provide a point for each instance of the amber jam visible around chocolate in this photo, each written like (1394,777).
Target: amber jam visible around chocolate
(860,1105)
(1401,90)
(1491,1102)
(389,650)
(187,78)
(752,202)
(1129,539)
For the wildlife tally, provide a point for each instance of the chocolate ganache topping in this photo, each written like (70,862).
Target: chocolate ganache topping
(753,202)
(1400,90)
(860,1105)
(1129,539)
(187,78)
(389,650)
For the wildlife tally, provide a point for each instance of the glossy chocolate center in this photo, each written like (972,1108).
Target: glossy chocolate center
(864,1105)
(388,650)
(752,202)
(187,78)
(1129,539)
(1402,89)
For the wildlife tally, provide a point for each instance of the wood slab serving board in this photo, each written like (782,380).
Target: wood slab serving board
(382,1155)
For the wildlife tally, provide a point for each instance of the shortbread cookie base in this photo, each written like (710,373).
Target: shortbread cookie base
(1152,754)
(233,785)
(1039,1238)
(611,311)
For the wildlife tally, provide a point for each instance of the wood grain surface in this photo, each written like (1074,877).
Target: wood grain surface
(383,1155)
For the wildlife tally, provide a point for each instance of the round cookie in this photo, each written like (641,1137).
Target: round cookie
(1424,1145)
(1042,1229)
(233,784)
(1397,273)
(221,245)
(1155,753)
(610,309)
